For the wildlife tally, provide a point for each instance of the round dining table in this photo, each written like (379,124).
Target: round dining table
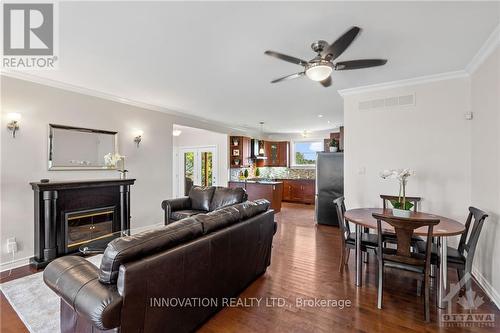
(363,218)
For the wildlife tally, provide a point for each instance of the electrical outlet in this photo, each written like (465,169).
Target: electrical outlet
(11,245)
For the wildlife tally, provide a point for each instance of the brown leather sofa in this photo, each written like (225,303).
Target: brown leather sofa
(202,199)
(210,256)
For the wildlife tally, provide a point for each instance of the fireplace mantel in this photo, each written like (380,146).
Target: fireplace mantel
(72,184)
(54,200)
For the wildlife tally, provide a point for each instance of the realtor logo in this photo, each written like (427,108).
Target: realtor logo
(28,36)
(470,302)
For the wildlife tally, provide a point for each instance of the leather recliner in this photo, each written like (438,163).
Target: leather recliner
(202,199)
(143,278)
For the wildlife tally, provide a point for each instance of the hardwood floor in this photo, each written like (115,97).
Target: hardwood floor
(305,265)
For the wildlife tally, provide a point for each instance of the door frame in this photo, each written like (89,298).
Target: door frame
(196,165)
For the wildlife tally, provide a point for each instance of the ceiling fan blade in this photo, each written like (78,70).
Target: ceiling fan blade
(357,64)
(326,82)
(289,77)
(333,51)
(285,57)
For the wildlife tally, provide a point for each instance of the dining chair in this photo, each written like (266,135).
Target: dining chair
(402,258)
(461,258)
(369,242)
(386,199)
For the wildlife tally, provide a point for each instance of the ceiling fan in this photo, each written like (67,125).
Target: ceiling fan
(320,67)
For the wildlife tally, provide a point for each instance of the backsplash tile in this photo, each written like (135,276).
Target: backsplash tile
(274,173)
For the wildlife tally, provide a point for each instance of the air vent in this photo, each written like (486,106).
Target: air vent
(387,102)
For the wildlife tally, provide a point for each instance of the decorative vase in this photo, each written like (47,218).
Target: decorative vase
(401,212)
(333,149)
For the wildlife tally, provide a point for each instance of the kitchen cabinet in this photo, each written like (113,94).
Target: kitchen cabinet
(276,153)
(299,190)
(236,184)
(239,151)
(272,191)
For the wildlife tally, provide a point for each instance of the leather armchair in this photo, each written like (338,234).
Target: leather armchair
(202,200)
(173,205)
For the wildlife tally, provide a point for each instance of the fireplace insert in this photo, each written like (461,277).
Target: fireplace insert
(86,225)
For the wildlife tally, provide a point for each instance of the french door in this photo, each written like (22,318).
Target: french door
(197,166)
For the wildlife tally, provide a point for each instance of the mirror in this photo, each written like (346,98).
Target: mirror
(75,148)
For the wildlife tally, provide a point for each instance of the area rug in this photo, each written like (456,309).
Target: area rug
(35,303)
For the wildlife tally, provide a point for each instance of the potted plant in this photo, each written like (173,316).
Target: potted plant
(401,207)
(236,161)
(334,146)
(257,172)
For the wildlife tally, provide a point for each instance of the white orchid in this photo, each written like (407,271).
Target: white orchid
(402,176)
(110,160)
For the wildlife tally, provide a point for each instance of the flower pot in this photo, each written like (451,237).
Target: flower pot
(333,149)
(401,212)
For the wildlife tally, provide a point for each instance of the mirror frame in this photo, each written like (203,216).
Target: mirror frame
(80,129)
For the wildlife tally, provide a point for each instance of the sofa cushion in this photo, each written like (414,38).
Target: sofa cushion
(182,214)
(218,219)
(201,196)
(225,196)
(129,248)
(249,209)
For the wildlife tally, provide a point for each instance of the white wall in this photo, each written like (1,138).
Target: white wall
(457,161)
(195,137)
(485,167)
(432,138)
(24,159)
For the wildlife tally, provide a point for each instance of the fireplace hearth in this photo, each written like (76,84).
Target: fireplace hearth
(69,214)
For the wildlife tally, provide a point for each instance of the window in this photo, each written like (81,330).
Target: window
(304,152)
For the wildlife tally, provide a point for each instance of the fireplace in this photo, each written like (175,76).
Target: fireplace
(70,214)
(86,225)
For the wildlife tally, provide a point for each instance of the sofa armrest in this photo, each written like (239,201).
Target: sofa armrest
(75,280)
(172,205)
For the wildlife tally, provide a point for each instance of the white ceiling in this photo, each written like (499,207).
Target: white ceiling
(207,59)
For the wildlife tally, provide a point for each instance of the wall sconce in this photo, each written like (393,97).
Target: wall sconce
(138,137)
(13,124)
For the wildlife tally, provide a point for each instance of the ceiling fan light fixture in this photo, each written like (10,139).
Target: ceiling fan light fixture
(319,71)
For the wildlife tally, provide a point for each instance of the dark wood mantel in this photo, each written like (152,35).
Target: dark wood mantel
(72,184)
(55,199)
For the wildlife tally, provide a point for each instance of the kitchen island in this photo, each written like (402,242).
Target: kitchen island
(262,189)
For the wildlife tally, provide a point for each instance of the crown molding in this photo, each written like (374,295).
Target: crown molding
(404,83)
(485,51)
(182,118)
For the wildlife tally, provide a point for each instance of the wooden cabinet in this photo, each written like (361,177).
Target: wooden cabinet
(276,153)
(270,191)
(236,184)
(299,190)
(239,151)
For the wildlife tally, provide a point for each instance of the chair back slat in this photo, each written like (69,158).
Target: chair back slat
(342,222)
(404,229)
(470,237)
(387,198)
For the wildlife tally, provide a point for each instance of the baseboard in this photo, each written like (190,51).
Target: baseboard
(486,286)
(5,266)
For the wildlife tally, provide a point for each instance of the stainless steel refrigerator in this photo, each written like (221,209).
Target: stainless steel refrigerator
(329,186)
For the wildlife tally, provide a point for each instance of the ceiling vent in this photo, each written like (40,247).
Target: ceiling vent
(388,102)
